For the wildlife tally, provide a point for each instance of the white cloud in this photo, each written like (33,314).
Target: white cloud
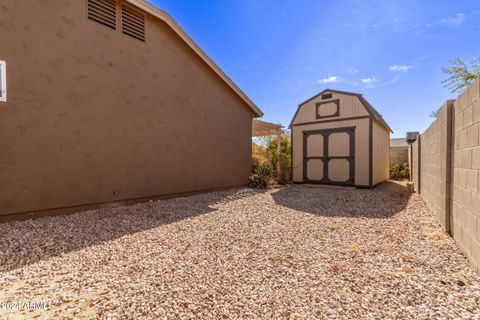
(457,19)
(400,68)
(372,82)
(368,81)
(331,79)
(454,20)
(352,70)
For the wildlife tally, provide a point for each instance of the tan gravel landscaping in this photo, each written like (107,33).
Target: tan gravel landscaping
(290,252)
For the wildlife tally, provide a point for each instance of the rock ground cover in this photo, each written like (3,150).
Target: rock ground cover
(289,252)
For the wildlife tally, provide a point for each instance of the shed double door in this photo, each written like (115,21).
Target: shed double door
(329,156)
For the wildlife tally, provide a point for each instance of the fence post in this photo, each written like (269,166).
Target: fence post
(448,166)
(419,164)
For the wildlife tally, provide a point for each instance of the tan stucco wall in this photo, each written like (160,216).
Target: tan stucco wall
(92,113)
(381,154)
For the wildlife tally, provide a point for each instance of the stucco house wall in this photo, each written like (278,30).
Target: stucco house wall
(95,116)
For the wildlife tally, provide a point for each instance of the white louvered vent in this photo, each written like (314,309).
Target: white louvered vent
(103,11)
(133,23)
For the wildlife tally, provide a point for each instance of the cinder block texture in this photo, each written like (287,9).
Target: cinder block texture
(466,154)
(398,155)
(433,165)
(450,170)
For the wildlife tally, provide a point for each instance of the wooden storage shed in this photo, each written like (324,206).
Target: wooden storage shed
(339,138)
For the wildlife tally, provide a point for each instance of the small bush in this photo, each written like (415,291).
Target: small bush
(264,152)
(263,177)
(261,182)
(264,170)
(400,171)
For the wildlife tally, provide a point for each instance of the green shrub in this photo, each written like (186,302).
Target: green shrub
(400,171)
(264,169)
(261,182)
(263,176)
(264,152)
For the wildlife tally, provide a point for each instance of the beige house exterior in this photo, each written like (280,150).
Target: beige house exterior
(339,138)
(110,101)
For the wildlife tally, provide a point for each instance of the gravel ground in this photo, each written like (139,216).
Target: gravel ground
(290,252)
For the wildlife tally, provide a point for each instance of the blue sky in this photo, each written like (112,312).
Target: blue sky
(283,52)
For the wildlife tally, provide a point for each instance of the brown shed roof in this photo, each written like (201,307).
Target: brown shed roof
(154,11)
(263,128)
(373,112)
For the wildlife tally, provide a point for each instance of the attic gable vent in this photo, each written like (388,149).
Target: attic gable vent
(326,96)
(103,11)
(133,23)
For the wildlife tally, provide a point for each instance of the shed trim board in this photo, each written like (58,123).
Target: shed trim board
(331,120)
(370,151)
(332,115)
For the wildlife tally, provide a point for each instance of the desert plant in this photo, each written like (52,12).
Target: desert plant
(264,170)
(400,171)
(285,156)
(264,152)
(460,74)
(263,176)
(261,182)
(260,156)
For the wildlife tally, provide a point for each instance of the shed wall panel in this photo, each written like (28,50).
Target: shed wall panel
(350,106)
(315,145)
(338,170)
(381,153)
(339,144)
(315,169)
(361,147)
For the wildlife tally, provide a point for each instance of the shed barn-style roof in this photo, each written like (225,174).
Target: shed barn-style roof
(374,113)
(154,11)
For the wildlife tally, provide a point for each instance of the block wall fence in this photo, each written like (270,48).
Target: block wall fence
(446,169)
(398,155)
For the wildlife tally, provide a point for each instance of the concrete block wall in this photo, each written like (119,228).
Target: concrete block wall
(398,155)
(433,165)
(448,176)
(414,156)
(465,215)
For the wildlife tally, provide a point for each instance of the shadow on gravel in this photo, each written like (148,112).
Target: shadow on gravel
(382,201)
(25,242)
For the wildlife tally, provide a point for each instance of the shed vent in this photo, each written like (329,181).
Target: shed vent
(133,23)
(326,96)
(103,11)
